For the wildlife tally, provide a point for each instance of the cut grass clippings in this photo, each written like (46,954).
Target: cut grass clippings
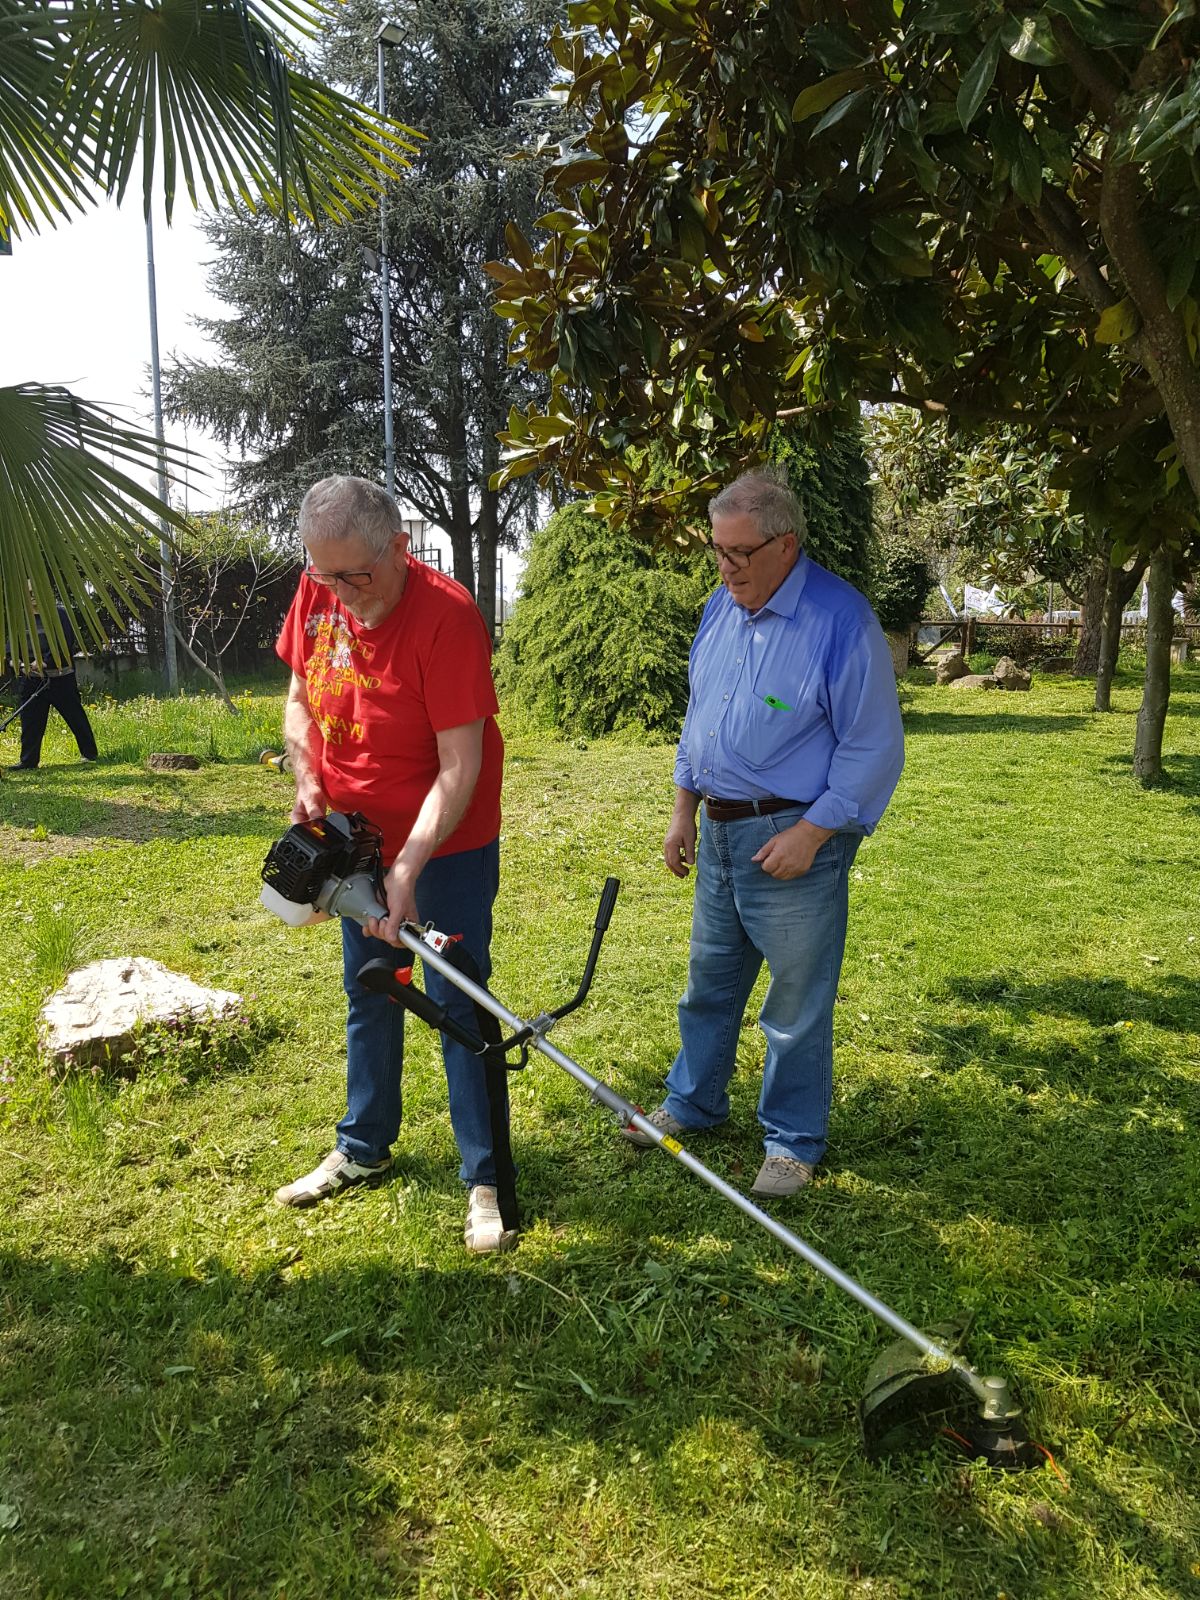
(202,1394)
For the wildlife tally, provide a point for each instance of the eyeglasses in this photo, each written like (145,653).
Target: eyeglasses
(352,580)
(739,560)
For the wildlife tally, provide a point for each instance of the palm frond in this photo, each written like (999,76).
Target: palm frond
(37,178)
(73,522)
(207,86)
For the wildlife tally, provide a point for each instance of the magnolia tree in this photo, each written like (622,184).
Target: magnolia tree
(986,213)
(992,500)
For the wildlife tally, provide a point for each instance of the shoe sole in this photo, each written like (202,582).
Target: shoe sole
(781,1194)
(508,1241)
(308,1198)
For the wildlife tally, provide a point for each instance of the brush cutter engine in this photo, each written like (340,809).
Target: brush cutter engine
(328,867)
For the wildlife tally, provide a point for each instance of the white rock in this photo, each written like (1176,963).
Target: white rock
(96,1011)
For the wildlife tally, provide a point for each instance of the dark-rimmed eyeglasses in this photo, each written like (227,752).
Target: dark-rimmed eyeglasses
(740,559)
(352,580)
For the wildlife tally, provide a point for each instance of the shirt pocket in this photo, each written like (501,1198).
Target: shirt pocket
(767,728)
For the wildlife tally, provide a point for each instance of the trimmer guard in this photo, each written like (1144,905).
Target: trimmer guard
(908,1395)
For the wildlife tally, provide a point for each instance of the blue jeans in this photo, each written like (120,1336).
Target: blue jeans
(741,918)
(455,893)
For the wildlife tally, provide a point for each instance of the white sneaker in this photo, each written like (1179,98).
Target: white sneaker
(337,1171)
(485,1230)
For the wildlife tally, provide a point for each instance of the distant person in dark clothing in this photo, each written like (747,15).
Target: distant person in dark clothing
(52,686)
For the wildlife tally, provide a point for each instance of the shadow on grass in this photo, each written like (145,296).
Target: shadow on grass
(251,1410)
(1022,1124)
(166,813)
(1173,1002)
(998,722)
(1180,772)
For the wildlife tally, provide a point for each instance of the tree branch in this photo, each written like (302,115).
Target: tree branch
(1138,408)
(1089,69)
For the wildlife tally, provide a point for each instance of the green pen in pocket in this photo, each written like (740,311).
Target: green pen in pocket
(775,703)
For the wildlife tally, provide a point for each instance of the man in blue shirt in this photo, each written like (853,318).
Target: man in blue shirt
(793,743)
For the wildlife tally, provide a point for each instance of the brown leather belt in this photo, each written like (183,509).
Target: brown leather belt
(735,810)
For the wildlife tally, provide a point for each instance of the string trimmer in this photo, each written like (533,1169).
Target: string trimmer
(332,867)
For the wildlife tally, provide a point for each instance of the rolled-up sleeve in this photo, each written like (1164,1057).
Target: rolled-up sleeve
(864,713)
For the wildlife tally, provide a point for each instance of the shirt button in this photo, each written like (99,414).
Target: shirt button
(726,697)
(712,733)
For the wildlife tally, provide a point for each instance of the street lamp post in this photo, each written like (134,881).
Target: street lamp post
(164,549)
(389,34)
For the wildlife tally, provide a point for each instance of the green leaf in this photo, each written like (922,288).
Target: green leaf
(943,16)
(837,112)
(834,46)
(1030,39)
(809,102)
(1183,270)
(1118,323)
(977,81)
(559,221)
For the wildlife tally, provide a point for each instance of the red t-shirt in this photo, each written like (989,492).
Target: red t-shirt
(380,696)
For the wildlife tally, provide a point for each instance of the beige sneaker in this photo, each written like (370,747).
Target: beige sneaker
(337,1171)
(662,1120)
(485,1230)
(781,1175)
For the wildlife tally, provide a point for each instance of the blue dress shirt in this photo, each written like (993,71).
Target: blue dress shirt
(796,700)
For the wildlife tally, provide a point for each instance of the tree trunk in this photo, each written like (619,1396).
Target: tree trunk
(461,543)
(216,674)
(1160,624)
(489,536)
(1122,581)
(1087,650)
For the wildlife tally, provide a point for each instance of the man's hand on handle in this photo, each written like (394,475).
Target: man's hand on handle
(401,886)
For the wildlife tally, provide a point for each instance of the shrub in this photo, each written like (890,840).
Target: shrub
(900,581)
(834,487)
(598,640)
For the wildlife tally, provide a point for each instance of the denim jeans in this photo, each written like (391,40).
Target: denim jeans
(741,918)
(455,893)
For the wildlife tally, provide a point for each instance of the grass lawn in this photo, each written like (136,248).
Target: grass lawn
(201,1394)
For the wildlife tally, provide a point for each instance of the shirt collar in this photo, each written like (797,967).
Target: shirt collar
(786,599)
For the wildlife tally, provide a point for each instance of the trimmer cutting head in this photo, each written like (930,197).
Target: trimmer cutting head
(909,1398)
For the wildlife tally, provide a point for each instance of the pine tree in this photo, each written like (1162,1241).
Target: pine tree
(297,386)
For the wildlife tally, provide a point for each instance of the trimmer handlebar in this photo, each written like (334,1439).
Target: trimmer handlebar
(608,899)
(384,977)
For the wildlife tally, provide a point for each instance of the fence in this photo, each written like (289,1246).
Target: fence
(1029,640)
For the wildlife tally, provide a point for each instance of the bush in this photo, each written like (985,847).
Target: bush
(834,487)
(598,641)
(900,582)
(1025,646)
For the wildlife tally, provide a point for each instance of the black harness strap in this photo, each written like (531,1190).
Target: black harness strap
(384,977)
(495,1077)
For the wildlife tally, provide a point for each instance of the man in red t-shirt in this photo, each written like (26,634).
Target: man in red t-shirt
(391,712)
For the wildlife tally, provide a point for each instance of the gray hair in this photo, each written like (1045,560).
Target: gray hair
(764,494)
(340,508)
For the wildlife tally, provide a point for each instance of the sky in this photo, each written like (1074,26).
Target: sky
(74,309)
